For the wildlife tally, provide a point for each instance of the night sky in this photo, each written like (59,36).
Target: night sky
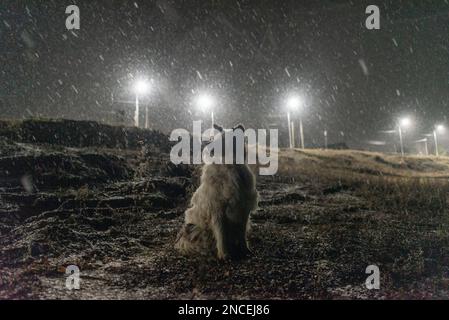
(249,54)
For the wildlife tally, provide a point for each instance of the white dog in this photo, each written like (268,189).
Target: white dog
(218,218)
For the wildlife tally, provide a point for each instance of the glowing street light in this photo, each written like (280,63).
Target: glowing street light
(437,129)
(141,87)
(403,123)
(294,102)
(206,102)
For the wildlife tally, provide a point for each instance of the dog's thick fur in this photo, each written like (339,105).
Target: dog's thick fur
(218,218)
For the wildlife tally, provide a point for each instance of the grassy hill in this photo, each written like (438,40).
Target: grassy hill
(361,163)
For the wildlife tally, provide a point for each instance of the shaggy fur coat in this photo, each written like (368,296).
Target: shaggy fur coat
(218,218)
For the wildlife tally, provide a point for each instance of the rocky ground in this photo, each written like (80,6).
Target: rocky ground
(113,209)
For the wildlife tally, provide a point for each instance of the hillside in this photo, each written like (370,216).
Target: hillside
(366,163)
(112,205)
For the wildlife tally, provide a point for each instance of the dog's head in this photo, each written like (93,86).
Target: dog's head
(221,130)
(234,138)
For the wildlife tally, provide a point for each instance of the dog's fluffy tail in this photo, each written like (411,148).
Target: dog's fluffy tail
(192,239)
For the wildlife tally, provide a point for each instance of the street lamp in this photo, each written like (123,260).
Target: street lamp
(294,102)
(403,123)
(325,139)
(141,87)
(426,145)
(206,102)
(437,129)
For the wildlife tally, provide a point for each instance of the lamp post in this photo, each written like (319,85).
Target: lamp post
(426,147)
(437,129)
(293,104)
(206,102)
(141,87)
(290,144)
(404,122)
(147,123)
(325,139)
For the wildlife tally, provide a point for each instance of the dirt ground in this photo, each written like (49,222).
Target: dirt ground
(115,213)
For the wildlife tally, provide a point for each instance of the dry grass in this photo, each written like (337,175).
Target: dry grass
(387,181)
(404,223)
(369,163)
(323,219)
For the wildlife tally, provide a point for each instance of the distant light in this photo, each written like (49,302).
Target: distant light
(141,87)
(440,128)
(405,122)
(205,102)
(294,102)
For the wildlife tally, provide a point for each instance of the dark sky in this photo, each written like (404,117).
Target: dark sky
(250,54)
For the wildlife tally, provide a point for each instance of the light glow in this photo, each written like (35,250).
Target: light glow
(294,102)
(205,102)
(141,87)
(405,122)
(440,128)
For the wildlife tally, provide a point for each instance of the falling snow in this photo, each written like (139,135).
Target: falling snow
(249,59)
(85,170)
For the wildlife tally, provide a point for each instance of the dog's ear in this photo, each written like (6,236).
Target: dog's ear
(217,127)
(239,126)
